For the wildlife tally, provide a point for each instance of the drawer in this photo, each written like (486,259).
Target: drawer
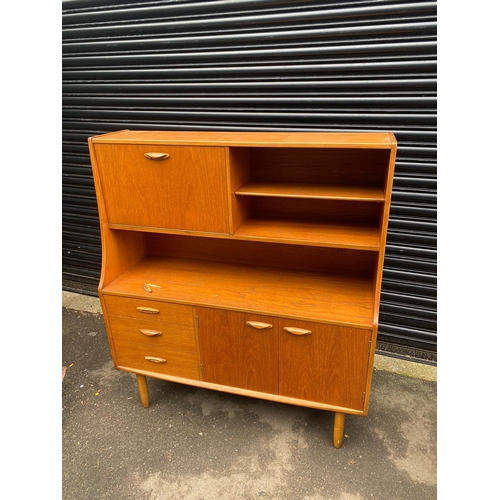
(167,333)
(162,186)
(156,359)
(151,310)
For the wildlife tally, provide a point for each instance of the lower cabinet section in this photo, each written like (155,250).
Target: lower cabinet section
(291,361)
(297,359)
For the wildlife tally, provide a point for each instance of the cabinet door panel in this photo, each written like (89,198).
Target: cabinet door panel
(185,190)
(238,354)
(323,363)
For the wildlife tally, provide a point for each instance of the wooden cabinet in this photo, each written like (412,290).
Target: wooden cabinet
(246,262)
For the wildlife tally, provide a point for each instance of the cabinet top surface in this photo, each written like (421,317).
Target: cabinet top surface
(380,140)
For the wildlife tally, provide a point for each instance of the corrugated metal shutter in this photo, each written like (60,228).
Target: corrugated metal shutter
(262,65)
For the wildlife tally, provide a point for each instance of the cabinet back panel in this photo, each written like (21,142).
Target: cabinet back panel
(334,166)
(304,258)
(332,210)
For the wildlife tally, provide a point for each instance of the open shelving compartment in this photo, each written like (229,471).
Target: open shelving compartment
(326,197)
(331,285)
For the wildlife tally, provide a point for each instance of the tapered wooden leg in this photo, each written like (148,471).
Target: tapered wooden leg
(142,383)
(338,429)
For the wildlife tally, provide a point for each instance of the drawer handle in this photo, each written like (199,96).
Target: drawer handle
(148,310)
(148,286)
(157,156)
(150,333)
(258,325)
(297,331)
(155,360)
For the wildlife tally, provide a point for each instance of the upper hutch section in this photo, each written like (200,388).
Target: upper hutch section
(307,188)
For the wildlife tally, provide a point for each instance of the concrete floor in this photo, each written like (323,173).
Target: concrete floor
(198,444)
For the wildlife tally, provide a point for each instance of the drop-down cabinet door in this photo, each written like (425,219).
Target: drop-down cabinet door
(238,349)
(324,363)
(164,186)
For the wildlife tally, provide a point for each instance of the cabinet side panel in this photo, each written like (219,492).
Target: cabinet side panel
(390,168)
(120,250)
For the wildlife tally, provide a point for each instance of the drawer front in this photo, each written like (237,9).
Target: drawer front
(167,333)
(185,189)
(137,356)
(149,309)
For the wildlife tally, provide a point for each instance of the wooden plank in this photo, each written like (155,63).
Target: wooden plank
(323,233)
(311,191)
(330,298)
(357,140)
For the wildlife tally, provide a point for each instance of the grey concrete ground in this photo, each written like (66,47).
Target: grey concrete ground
(198,444)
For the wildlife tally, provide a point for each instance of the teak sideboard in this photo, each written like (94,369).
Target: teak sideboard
(246,262)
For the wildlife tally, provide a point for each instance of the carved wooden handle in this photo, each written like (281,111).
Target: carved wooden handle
(259,325)
(148,286)
(155,360)
(150,333)
(157,156)
(297,331)
(148,310)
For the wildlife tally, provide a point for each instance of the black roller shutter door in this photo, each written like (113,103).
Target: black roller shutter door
(262,65)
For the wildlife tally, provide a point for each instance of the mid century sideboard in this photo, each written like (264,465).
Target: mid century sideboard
(246,262)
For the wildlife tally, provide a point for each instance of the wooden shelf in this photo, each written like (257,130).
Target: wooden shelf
(336,299)
(311,191)
(311,232)
(291,231)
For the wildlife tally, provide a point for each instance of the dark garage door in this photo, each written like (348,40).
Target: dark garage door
(262,65)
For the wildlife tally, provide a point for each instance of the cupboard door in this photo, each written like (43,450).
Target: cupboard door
(159,186)
(239,350)
(323,363)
